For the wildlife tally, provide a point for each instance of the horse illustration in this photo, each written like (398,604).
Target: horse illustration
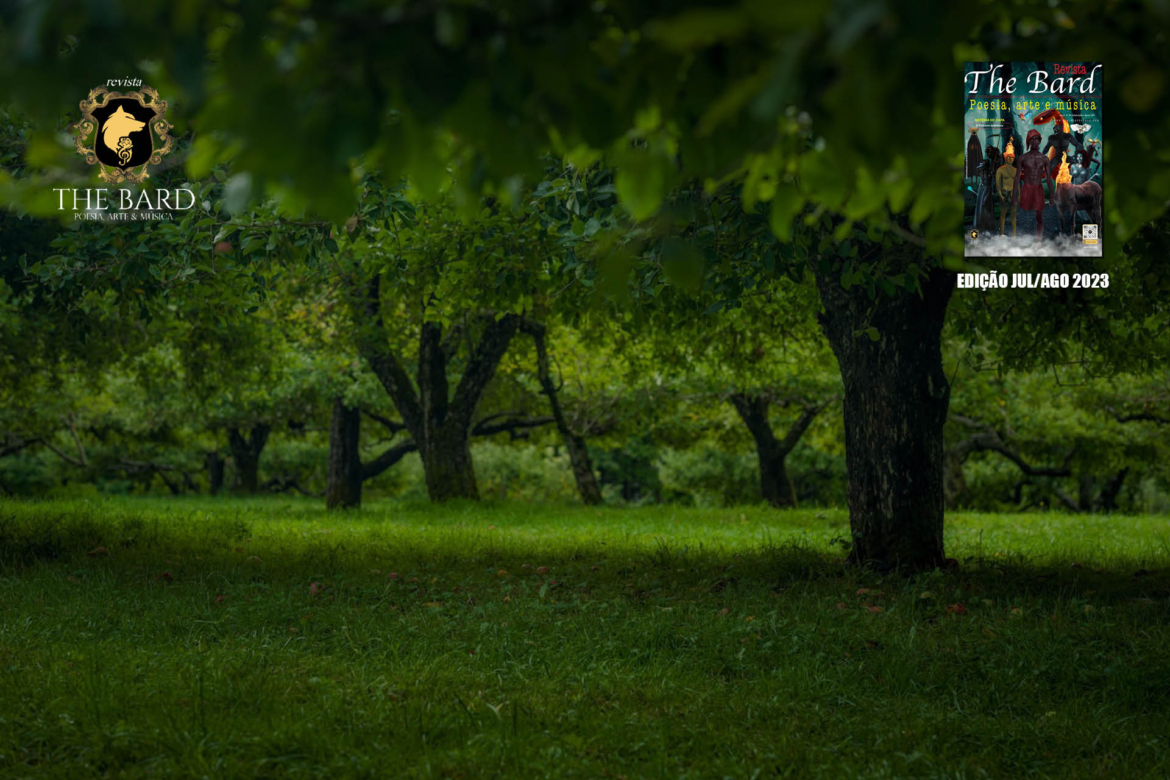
(116,130)
(1071,198)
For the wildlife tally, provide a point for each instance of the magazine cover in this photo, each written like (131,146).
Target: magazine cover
(1032,168)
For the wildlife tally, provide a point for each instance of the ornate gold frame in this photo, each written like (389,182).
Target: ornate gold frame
(88,124)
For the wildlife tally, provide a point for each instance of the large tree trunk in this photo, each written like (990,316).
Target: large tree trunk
(450,474)
(579,459)
(343,482)
(246,454)
(896,398)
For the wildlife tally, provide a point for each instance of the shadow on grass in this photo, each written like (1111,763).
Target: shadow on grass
(229,544)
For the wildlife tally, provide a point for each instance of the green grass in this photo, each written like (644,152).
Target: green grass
(661,642)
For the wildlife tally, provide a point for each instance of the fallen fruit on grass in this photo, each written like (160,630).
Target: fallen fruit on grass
(166,576)
(220,599)
(542,570)
(957,609)
(315,588)
(95,552)
(875,610)
(392,575)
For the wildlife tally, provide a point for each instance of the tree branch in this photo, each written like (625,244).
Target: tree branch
(373,344)
(801,425)
(753,410)
(77,440)
(68,459)
(485,357)
(391,425)
(387,459)
(1138,417)
(989,440)
(482,428)
(15,447)
(1067,500)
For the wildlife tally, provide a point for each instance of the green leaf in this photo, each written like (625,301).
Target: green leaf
(641,183)
(785,206)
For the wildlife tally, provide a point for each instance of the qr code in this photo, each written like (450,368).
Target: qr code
(1089,232)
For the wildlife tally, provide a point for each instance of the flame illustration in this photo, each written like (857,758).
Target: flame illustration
(1063,174)
(1010,151)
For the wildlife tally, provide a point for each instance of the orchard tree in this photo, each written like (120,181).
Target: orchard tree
(1056,437)
(840,129)
(456,293)
(766,358)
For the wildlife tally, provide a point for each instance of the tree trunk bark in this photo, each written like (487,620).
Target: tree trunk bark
(450,473)
(247,472)
(343,483)
(582,466)
(1085,493)
(579,459)
(775,484)
(214,473)
(896,399)
(1111,490)
(955,485)
(246,454)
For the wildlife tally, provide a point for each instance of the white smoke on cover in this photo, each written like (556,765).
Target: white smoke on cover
(1026,246)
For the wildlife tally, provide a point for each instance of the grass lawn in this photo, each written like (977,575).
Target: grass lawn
(223,638)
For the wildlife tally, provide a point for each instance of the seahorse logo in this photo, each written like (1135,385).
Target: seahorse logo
(115,133)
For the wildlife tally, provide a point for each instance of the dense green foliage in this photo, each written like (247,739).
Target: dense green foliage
(224,638)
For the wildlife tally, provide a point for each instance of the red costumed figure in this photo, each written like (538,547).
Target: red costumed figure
(1031,173)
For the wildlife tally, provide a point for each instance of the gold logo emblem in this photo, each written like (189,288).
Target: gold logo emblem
(974,233)
(125,133)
